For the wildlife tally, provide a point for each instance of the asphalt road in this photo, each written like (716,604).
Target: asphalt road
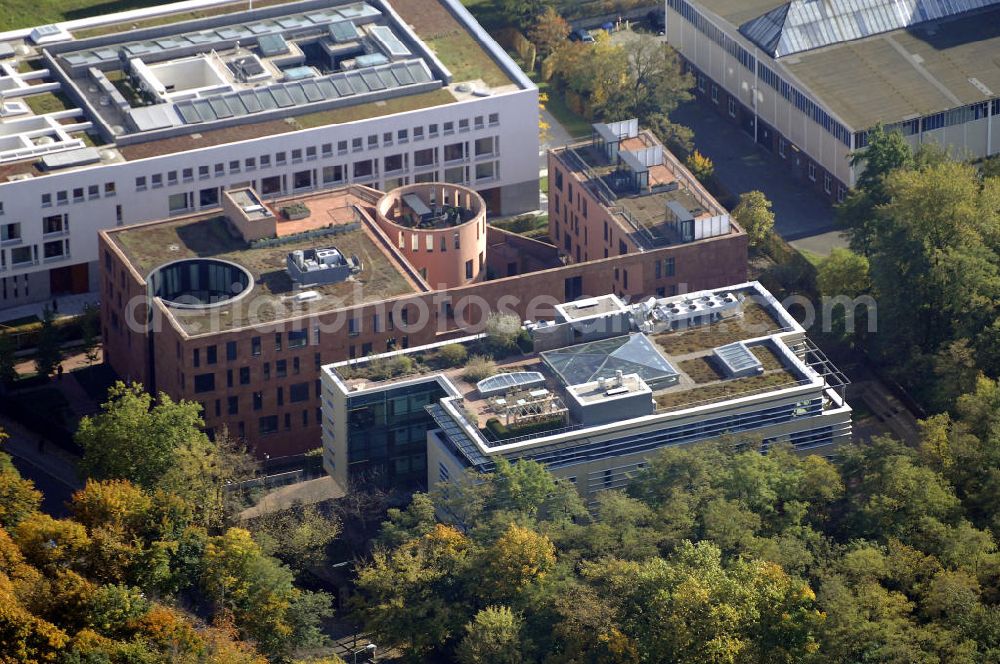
(56,493)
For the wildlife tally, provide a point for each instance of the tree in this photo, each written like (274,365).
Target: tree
(700,166)
(523,12)
(843,273)
(549,32)
(298,536)
(18,497)
(654,83)
(519,558)
(47,353)
(502,331)
(161,445)
(90,325)
(493,637)
(8,373)
(754,214)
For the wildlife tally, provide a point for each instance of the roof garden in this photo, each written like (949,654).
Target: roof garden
(627,375)
(274,295)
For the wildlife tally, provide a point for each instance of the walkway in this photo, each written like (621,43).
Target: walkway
(66,305)
(307,493)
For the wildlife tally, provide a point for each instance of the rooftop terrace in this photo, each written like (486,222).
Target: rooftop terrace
(652,195)
(332,220)
(675,370)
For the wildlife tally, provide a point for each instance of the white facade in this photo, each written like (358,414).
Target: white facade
(499,134)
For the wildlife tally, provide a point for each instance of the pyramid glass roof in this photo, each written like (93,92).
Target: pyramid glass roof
(633,354)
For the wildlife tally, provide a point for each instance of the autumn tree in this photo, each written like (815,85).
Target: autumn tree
(492,637)
(549,32)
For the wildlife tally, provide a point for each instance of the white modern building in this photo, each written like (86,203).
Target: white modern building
(604,386)
(809,78)
(117,123)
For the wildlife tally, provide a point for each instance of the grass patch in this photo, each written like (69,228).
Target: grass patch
(365,111)
(811,256)
(15,323)
(467,60)
(48,102)
(768,358)
(755,322)
(26,66)
(576,125)
(543,184)
(725,389)
(528,225)
(95,9)
(700,370)
(87,139)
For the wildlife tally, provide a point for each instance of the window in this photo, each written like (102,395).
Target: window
(204,382)
(208,197)
(402,135)
(352,327)
(78,191)
(220,169)
(827,183)
(271,185)
(841,193)
(202,172)
(432,129)
(468,269)
(812,171)
(258,400)
(266,371)
(268,425)
(449,128)
(341,147)
(244,375)
(454,175)
(484,146)
(715,93)
(280,158)
(732,107)
(21,255)
(55,249)
(10,232)
(418,133)
(424,157)
(298,338)
(485,171)
(93,191)
(669,267)
(140,184)
(230,351)
(255,346)
(295,366)
(280,394)
(302,180)
(332,174)
(234,166)
(196,357)
(298,392)
(277,341)
(478,122)
(372,141)
(229,378)
(296,155)
(782,143)
(281,368)
(701,82)
(233,406)
(250,163)
(463,124)
(178,203)
(363,169)
(393,163)
(357,145)
(265,161)
(454,151)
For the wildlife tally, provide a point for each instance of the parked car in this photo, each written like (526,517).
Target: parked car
(581,35)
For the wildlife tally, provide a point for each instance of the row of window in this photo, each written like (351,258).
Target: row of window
(747,59)
(76,195)
(268,424)
(21,256)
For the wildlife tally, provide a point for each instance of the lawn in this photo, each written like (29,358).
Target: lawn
(48,102)
(467,60)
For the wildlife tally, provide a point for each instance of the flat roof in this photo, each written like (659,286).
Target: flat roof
(679,367)
(424,52)
(893,76)
(148,246)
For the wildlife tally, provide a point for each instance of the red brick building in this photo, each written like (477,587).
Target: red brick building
(225,309)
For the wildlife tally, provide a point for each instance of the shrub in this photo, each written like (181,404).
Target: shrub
(502,331)
(479,367)
(453,355)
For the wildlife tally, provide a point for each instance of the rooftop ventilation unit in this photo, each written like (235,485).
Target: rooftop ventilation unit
(321,266)
(655,316)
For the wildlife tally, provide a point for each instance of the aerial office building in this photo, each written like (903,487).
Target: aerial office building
(119,123)
(603,386)
(239,308)
(809,78)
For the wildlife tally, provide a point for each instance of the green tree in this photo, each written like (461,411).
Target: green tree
(298,536)
(90,327)
(843,273)
(18,497)
(700,166)
(492,637)
(8,374)
(754,214)
(549,32)
(48,353)
(523,13)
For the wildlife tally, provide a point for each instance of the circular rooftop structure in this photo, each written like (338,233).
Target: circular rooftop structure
(200,283)
(439,228)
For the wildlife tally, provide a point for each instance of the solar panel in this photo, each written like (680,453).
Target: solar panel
(372,80)
(312,91)
(188,113)
(297,94)
(281,97)
(251,101)
(220,107)
(204,110)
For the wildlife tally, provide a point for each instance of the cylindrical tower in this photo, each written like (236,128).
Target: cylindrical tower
(440,228)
